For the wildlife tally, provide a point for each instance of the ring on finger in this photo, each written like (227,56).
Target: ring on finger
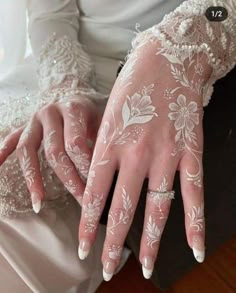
(161,194)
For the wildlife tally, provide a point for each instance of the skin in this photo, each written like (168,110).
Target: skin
(145,144)
(154,153)
(64,128)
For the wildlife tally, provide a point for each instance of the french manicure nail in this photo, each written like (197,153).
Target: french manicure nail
(199,254)
(198,248)
(84,248)
(108,270)
(147,267)
(36,202)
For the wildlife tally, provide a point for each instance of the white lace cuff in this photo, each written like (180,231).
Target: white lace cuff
(60,58)
(186,31)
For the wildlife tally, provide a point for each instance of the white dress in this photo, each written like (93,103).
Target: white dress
(38,252)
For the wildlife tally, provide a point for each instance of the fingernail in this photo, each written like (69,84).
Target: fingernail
(199,254)
(147,267)
(108,270)
(198,248)
(36,202)
(84,248)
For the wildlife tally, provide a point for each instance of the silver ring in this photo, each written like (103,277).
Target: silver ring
(162,194)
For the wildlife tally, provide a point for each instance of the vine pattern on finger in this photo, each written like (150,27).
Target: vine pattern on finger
(27,168)
(152,230)
(123,215)
(196,217)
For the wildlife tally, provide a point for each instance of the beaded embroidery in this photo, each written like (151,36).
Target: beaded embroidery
(187,31)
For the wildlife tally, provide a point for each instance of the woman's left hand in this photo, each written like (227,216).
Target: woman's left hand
(152,127)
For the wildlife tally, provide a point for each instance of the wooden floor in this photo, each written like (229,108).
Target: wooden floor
(216,275)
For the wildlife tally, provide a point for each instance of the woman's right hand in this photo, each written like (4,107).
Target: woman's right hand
(66,130)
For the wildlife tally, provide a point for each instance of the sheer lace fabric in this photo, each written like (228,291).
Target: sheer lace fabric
(15,198)
(186,31)
(61,57)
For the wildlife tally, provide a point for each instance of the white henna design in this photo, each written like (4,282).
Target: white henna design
(80,159)
(169,93)
(114,251)
(153,232)
(78,124)
(48,140)
(28,170)
(123,215)
(138,108)
(186,118)
(71,186)
(92,211)
(62,162)
(197,217)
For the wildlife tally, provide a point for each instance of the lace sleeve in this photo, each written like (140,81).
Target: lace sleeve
(53,31)
(186,31)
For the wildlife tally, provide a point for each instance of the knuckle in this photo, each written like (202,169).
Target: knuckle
(70,145)
(140,151)
(72,105)
(193,189)
(47,110)
(20,147)
(52,151)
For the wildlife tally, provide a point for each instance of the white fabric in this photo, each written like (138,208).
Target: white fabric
(39,252)
(12,16)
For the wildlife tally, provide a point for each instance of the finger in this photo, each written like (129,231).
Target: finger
(124,203)
(99,182)
(8,145)
(56,154)
(75,137)
(161,177)
(193,199)
(27,148)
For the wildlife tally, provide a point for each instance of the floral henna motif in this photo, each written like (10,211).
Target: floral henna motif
(78,124)
(48,140)
(28,170)
(114,251)
(123,215)
(80,159)
(62,162)
(71,186)
(137,109)
(197,218)
(92,212)
(186,119)
(153,232)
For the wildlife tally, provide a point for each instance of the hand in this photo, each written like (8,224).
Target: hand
(152,127)
(64,129)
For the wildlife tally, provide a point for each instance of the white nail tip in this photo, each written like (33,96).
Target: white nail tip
(107,277)
(146,273)
(82,254)
(199,254)
(37,206)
